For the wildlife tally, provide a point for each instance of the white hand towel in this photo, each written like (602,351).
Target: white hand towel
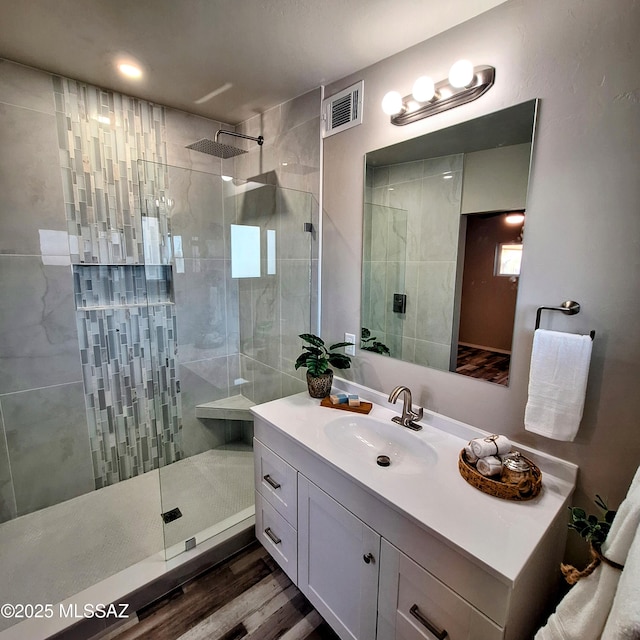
(489,446)
(557,383)
(489,466)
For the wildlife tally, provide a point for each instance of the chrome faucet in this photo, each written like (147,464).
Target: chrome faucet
(409,416)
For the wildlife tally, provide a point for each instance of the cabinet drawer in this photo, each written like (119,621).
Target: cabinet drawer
(425,608)
(276,481)
(278,537)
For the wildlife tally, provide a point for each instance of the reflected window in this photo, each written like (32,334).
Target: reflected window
(245,251)
(271,252)
(508,259)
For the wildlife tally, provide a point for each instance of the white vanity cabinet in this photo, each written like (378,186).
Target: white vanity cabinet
(385,555)
(338,560)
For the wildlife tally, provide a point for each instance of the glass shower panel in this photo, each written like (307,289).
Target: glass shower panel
(228,275)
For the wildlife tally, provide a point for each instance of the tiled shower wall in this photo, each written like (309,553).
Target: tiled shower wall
(45,447)
(274,311)
(416,205)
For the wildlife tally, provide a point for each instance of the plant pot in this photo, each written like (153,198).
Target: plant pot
(320,386)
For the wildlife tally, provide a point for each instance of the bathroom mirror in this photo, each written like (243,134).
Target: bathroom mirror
(443,236)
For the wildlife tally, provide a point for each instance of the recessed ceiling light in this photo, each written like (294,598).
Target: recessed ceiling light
(130,70)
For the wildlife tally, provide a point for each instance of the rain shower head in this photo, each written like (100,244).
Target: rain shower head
(219,149)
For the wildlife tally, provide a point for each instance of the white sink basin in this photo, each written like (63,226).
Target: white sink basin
(366,438)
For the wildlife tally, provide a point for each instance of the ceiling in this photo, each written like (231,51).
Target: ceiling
(246,55)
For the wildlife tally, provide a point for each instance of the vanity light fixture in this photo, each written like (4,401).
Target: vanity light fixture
(464,84)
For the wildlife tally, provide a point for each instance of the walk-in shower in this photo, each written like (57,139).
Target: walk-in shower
(172,350)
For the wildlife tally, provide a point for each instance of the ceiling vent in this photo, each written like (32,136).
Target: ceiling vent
(343,110)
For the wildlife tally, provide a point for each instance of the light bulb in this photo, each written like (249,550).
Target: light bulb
(461,74)
(392,103)
(130,70)
(514,218)
(423,89)
(227,178)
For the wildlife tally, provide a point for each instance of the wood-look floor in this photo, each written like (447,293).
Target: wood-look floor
(247,597)
(483,364)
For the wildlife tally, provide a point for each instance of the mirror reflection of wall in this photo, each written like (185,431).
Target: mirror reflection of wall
(423,209)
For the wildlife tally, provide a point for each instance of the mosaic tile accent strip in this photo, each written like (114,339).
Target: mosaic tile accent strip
(100,286)
(102,137)
(132,392)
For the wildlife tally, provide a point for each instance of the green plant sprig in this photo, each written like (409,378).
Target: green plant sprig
(592,528)
(371,343)
(317,358)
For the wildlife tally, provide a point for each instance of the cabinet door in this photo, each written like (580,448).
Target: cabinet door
(414,605)
(337,563)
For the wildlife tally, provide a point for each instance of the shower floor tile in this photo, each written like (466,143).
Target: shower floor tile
(52,554)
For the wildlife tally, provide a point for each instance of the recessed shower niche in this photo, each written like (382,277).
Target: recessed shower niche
(128,344)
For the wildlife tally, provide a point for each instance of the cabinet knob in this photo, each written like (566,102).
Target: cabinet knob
(368,558)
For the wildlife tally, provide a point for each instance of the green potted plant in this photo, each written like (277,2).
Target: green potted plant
(371,343)
(594,530)
(317,359)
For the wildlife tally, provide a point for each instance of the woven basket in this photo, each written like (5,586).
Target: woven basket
(525,490)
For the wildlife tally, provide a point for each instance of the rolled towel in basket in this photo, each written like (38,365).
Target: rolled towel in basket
(489,466)
(489,446)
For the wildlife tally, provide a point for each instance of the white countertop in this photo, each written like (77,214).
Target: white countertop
(500,534)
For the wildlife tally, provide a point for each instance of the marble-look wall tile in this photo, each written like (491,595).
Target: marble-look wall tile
(290,155)
(38,342)
(201,310)
(29,179)
(421,203)
(197,214)
(432,354)
(267,382)
(408,195)
(406,172)
(294,208)
(203,381)
(48,445)
(25,87)
(7,497)
(413,293)
(266,298)
(297,158)
(436,282)
(301,109)
(440,218)
(295,308)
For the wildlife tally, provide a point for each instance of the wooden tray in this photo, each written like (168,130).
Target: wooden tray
(364,407)
(526,490)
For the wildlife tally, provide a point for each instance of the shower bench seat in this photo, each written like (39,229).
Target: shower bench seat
(231,408)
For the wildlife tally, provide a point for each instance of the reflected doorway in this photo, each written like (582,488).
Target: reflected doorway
(488,293)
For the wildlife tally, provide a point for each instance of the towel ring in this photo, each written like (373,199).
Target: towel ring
(568,307)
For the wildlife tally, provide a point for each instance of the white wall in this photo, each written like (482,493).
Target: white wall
(583,225)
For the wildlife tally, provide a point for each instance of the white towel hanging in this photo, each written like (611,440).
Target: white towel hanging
(557,383)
